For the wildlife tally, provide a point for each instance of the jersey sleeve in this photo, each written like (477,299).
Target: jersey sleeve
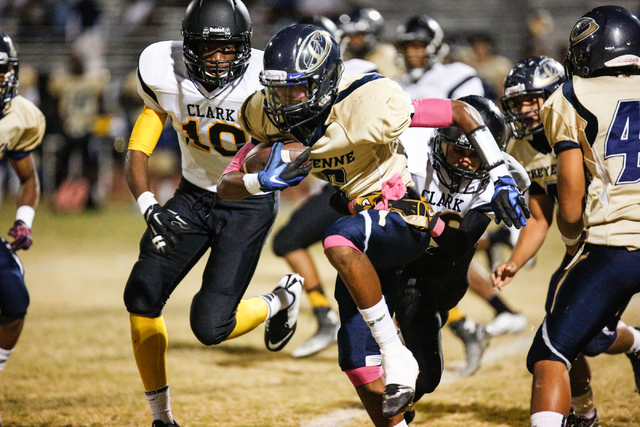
(149,76)
(561,125)
(377,113)
(33,131)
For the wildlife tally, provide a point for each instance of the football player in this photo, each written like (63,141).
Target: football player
(453,179)
(351,125)
(591,123)
(360,36)
(420,43)
(22,127)
(200,83)
(529,83)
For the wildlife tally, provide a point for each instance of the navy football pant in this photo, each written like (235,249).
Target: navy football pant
(14,298)
(235,231)
(591,294)
(390,243)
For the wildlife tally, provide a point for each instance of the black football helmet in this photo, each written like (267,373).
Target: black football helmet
(225,21)
(459,180)
(302,70)
(605,41)
(422,29)
(531,80)
(361,21)
(9,66)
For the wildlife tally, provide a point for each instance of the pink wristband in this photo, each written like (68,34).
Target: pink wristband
(432,113)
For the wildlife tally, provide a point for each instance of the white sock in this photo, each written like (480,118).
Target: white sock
(382,326)
(547,419)
(635,347)
(273,303)
(160,403)
(4,355)
(583,405)
(402,423)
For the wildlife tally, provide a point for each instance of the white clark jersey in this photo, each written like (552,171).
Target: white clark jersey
(437,194)
(206,123)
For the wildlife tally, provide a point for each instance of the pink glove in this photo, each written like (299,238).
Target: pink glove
(21,236)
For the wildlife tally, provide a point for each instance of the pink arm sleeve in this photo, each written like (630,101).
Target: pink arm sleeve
(238,159)
(432,113)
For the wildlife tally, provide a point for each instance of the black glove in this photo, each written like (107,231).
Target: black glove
(21,236)
(166,227)
(509,204)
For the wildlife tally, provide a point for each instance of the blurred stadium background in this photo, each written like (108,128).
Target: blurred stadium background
(73,365)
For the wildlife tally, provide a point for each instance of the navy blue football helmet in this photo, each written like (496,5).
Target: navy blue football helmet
(459,180)
(530,81)
(222,21)
(302,70)
(605,41)
(9,66)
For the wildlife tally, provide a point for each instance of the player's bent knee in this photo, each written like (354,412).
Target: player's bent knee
(212,336)
(364,375)
(143,292)
(599,344)
(284,244)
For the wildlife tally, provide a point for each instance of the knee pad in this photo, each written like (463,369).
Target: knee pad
(209,324)
(143,293)
(284,242)
(601,342)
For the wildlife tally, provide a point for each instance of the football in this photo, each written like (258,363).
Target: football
(257,158)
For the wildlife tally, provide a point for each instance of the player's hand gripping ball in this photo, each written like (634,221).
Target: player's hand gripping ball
(257,158)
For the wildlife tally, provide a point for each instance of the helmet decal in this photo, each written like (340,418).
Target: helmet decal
(548,72)
(583,29)
(313,51)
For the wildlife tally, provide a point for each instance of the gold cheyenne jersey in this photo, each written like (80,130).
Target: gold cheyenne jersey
(601,116)
(542,169)
(358,149)
(21,128)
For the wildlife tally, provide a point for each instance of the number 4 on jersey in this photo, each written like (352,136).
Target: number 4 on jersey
(624,140)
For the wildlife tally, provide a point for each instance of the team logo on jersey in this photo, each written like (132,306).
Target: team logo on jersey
(583,29)
(313,51)
(547,72)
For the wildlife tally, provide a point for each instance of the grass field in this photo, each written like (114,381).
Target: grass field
(74,366)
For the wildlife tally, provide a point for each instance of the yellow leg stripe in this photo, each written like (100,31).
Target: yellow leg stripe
(455,314)
(149,338)
(317,299)
(251,313)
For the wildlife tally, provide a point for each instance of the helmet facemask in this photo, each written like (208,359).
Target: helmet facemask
(9,84)
(456,179)
(524,123)
(211,73)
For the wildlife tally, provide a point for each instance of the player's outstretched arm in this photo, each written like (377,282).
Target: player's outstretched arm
(28,197)
(529,241)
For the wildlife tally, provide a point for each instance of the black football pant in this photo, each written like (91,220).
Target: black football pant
(235,231)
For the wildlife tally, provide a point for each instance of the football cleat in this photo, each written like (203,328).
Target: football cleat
(280,328)
(400,374)
(327,333)
(409,415)
(158,423)
(634,358)
(475,339)
(507,323)
(575,421)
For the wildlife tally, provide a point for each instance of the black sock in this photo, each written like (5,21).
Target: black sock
(498,305)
